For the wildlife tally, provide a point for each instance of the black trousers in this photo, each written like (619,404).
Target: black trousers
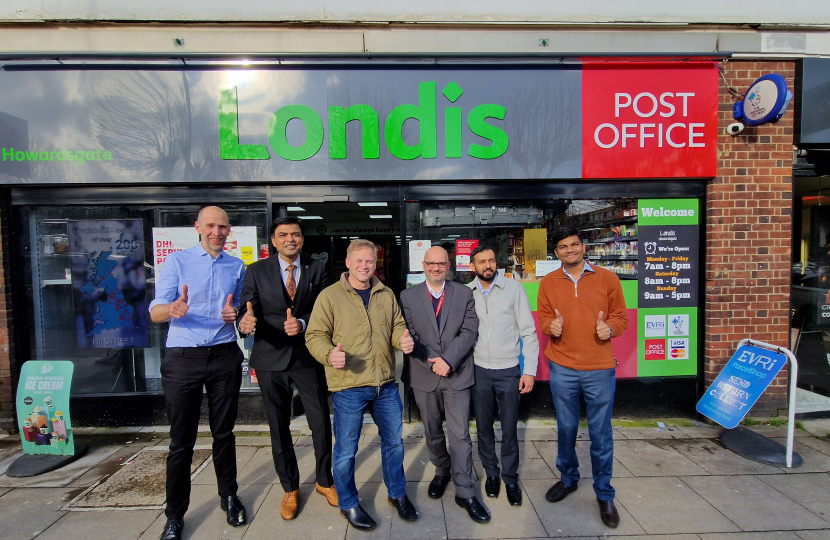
(497,391)
(276,395)
(184,371)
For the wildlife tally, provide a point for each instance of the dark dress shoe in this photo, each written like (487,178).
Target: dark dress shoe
(236,512)
(437,486)
(404,508)
(172,530)
(492,486)
(359,519)
(608,514)
(559,491)
(514,494)
(476,512)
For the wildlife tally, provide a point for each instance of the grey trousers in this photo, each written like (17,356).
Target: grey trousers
(497,390)
(454,405)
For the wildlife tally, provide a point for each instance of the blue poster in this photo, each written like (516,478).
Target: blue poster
(108,284)
(739,385)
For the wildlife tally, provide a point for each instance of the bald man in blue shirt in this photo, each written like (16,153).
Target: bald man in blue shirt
(196,291)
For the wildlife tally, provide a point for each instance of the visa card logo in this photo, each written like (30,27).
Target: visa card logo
(679,349)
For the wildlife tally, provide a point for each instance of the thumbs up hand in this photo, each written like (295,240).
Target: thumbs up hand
(603,330)
(248,323)
(338,357)
(179,308)
(229,312)
(292,324)
(407,343)
(557,324)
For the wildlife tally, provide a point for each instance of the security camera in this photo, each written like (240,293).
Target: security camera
(734,129)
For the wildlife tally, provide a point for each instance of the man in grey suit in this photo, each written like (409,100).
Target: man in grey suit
(442,321)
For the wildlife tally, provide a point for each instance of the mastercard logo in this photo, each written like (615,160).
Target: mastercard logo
(678,353)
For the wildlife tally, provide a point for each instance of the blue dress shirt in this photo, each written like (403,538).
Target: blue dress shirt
(209,282)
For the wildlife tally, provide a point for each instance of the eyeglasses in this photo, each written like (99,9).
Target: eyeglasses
(432,265)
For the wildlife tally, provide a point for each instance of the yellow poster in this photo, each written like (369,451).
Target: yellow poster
(536,248)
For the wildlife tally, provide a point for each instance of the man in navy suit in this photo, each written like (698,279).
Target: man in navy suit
(278,295)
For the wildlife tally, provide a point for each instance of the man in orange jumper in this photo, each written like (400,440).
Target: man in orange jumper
(581,307)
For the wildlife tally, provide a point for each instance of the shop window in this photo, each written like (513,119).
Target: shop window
(90,275)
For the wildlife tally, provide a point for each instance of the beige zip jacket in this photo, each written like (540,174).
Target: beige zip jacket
(367,335)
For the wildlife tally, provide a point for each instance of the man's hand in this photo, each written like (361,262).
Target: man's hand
(440,366)
(248,323)
(603,330)
(229,312)
(526,384)
(292,324)
(177,309)
(338,357)
(556,324)
(407,343)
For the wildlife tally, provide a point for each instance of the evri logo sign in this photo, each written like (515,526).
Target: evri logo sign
(426,113)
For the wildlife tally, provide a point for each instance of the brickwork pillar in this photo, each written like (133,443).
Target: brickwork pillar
(748,235)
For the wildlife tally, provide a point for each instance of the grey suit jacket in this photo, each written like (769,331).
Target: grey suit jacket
(453,341)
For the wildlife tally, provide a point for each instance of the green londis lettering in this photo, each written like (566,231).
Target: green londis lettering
(478,125)
(313,132)
(229,147)
(370,129)
(425,114)
(452,132)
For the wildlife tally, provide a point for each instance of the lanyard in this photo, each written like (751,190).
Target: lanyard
(440,301)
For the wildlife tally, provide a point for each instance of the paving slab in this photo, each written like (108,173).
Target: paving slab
(549,451)
(753,505)
(576,515)
(777,431)
(243,456)
(653,433)
(814,461)
(666,505)
(812,535)
(204,518)
(769,535)
(618,433)
(821,445)
(537,434)
(316,519)
(367,464)
(251,441)
(3,491)
(8,456)
(430,524)
(812,491)
(416,464)
(259,469)
(654,458)
(701,432)
(664,537)
(820,427)
(107,466)
(527,450)
(114,525)
(26,512)
(65,475)
(715,459)
(506,521)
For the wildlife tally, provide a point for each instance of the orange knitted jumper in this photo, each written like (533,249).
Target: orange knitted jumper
(579,347)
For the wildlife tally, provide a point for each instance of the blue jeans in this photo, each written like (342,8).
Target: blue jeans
(598,387)
(349,406)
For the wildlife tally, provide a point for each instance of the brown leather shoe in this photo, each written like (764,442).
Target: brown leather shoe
(290,504)
(329,493)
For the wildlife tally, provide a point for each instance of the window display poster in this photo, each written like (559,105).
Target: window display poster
(108,283)
(43,408)
(417,249)
(242,243)
(463,250)
(166,240)
(536,248)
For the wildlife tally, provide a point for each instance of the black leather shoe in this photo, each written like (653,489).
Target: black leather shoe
(236,512)
(559,491)
(437,486)
(514,494)
(359,519)
(172,530)
(404,508)
(492,486)
(476,512)
(608,514)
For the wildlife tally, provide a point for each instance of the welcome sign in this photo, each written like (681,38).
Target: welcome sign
(308,124)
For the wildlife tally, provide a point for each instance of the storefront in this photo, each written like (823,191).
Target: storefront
(107,166)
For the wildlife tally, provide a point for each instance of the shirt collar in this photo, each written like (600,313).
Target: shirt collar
(200,249)
(440,292)
(586,268)
(284,264)
(498,280)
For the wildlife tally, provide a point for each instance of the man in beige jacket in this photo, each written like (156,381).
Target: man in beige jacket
(353,328)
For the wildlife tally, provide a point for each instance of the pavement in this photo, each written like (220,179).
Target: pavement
(673,482)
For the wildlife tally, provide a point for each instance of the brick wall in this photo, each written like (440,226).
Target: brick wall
(748,235)
(8,373)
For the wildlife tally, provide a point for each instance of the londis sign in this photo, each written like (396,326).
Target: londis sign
(318,124)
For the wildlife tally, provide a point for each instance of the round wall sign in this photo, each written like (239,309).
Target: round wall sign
(765,101)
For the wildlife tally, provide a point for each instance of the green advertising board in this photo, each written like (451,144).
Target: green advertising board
(43,408)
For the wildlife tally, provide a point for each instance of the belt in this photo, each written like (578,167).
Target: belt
(211,348)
